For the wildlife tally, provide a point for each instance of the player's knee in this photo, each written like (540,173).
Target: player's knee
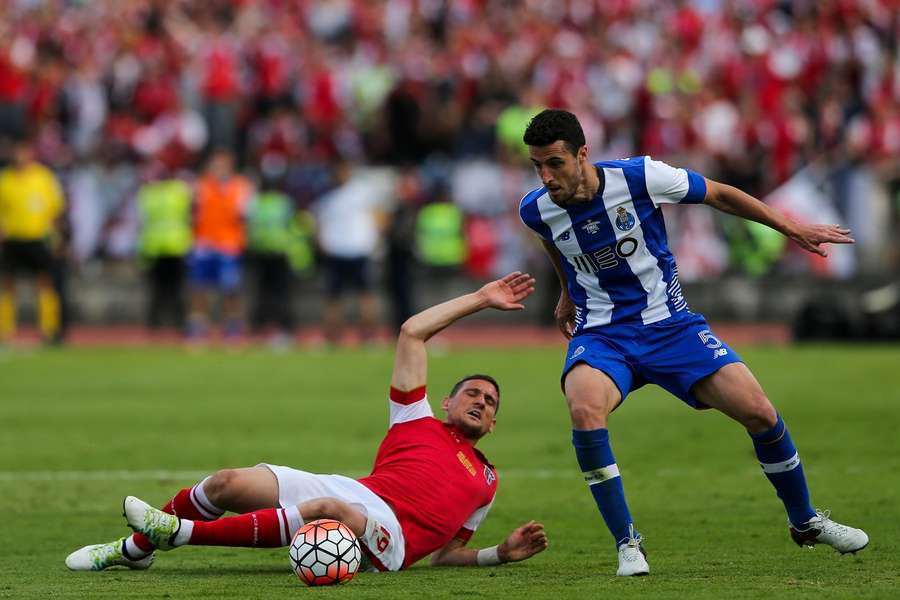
(321,508)
(218,486)
(587,414)
(761,415)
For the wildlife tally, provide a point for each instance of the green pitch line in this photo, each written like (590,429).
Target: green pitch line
(81,429)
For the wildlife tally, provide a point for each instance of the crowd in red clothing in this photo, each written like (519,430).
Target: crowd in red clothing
(748,91)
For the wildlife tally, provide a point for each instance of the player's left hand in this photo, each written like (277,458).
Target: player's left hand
(524,542)
(810,237)
(507,293)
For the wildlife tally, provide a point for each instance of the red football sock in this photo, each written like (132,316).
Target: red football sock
(190,503)
(266,528)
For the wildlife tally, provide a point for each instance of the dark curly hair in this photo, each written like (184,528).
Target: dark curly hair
(482,377)
(552,125)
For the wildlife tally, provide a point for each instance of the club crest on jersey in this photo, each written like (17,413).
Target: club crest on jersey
(489,476)
(624,219)
(592,227)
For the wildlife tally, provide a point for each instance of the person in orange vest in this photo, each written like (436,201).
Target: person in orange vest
(221,199)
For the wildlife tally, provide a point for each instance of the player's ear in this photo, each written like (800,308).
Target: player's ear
(493,425)
(582,153)
(445,403)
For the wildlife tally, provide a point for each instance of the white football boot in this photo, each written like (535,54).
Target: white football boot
(159,527)
(632,558)
(822,530)
(103,556)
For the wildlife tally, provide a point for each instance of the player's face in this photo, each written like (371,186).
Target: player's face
(560,171)
(473,408)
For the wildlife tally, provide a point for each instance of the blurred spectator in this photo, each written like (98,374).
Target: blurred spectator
(164,205)
(401,246)
(349,221)
(749,92)
(221,201)
(31,202)
(269,232)
(99,192)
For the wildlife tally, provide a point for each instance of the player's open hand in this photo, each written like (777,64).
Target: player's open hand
(565,315)
(810,237)
(507,293)
(524,542)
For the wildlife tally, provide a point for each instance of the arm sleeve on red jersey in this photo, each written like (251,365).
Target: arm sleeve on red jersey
(472,523)
(408,406)
(668,185)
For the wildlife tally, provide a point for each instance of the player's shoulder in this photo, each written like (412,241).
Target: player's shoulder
(423,422)
(621,163)
(531,198)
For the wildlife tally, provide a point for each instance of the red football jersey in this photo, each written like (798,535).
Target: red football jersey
(437,483)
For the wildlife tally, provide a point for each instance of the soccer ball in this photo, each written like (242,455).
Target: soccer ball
(325,552)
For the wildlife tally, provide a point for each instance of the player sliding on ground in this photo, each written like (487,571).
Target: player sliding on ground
(623,310)
(427,493)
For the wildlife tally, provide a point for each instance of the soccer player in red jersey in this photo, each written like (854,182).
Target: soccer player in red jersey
(427,493)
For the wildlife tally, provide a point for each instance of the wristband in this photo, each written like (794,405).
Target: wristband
(488,557)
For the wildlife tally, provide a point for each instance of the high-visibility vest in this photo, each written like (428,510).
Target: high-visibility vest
(219,213)
(300,250)
(165,209)
(439,235)
(268,223)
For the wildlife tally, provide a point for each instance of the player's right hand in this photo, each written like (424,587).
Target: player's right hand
(508,292)
(565,315)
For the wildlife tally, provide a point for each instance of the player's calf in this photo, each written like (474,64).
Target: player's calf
(265,528)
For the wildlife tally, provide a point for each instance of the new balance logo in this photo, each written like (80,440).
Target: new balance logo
(564,236)
(719,352)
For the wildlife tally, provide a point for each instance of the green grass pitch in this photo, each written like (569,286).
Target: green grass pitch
(79,429)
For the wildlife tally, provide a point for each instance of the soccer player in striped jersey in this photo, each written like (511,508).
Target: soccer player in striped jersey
(628,323)
(429,489)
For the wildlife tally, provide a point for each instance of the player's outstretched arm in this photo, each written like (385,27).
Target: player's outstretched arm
(411,360)
(731,200)
(524,542)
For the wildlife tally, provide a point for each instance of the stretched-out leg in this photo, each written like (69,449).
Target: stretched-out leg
(734,391)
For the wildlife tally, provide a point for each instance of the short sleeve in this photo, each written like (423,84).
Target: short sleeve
(474,520)
(408,406)
(668,185)
(530,215)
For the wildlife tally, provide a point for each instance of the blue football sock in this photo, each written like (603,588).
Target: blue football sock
(781,464)
(596,460)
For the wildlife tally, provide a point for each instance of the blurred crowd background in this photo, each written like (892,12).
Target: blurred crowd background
(371,145)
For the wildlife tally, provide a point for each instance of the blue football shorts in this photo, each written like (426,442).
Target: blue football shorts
(674,354)
(213,269)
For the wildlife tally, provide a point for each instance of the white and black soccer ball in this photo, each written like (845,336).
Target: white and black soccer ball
(325,552)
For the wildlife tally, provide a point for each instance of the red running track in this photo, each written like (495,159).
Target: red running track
(490,336)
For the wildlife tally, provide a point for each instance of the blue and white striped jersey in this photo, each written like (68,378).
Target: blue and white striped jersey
(614,248)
